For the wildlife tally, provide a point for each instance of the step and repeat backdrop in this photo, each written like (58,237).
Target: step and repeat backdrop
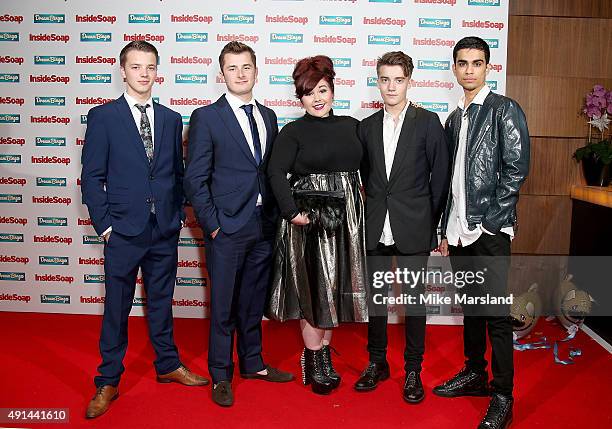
(60,58)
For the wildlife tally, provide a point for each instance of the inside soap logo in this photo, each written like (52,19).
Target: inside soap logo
(52,221)
(49,101)
(433,65)
(335,20)
(11,198)
(192,37)
(9,36)
(9,78)
(96,37)
(286,38)
(191,78)
(434,106)
(477,23)
(51,181)
(9,237)
(493,43)
(53,260)
(280,80)
(144,18)
(96,18)
(435,22)
(17,19)
(483,2)
(12,276)
(50,141)
(55,299)
(448,2)
(95,78)
(341,104)
(49,18)
(229,18)
(10,159)
(342,62)
(375,39)
(46,60)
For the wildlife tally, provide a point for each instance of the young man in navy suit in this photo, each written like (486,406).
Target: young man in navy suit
(229,146)
(132,184)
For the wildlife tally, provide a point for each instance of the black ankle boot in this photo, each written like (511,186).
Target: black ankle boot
(328,366)
(313,373)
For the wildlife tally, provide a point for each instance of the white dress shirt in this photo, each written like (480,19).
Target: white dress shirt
(457,228)
(391,134)
(235,103)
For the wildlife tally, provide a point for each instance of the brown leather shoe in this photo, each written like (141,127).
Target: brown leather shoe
(274,375)
(184,376)
(101,401)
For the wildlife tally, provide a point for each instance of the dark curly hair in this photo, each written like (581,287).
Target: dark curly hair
(309,71)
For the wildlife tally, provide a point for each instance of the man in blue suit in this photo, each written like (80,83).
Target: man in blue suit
(132,184)
(229,146)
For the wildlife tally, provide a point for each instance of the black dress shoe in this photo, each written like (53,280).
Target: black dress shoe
(499,413)
(413,388)
(313,372)
(222,394)
(374,373)
(466,383)
(328,366)
(273,375)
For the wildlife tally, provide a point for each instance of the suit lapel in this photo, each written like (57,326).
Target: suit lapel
(379,145)
(405,138)
(233,126)
(127,118)
(160,121)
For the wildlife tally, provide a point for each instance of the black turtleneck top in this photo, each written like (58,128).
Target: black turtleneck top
(312,145)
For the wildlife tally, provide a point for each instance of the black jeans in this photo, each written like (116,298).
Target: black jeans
(414,324)
(492,253)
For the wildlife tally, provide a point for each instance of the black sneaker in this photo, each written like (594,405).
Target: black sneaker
(222,394)
(371,376)
(413,388)
(466,383)
(499,413)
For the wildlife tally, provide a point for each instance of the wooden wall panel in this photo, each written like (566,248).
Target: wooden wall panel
(544,225)
(576,8)
(567,47)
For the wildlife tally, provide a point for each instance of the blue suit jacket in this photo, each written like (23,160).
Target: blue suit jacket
(118,183)
(222,180)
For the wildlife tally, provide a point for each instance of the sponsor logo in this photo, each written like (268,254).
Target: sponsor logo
(93,278)
(282,121)
(493,43)
(49,18)
(144,18)
(10,118)
(139,301)
(12,100)
(159,38)
(84,222)
(492,84)
(335,39)
(45,199)
(342,62)
(385,1)
(95,78)
(191,60)
(52,239)
(433,65)
(52,221)
(9,78)
(287,19)
(96,37)
(275,79)
(51,181)
(91,261)
(190,281)
(7,59)
(432,309)
(49,120)
(477,23)
(372,105)
(286,38)
(435,23)
(384,21)
(9,36)
(53,260)
(93,239)
(372,81)
(483,3)
(280,61)
(49,37)
(335,20)
(79,142)
(192,37)
(10,159)
(185,119)
(11,198)
(17,19)
(189,303)
(191,78)
(237,38)
(13,181)
(183,263)
(109,19)
(53,60)
(282,103)
(191,18)
(190,101)
(84,119)
(434,106)
(341,104)
(375,39)
(237,19)
(92,100)
(344,82)
(90,59)
(448,2)
(49,101)
(55,299)
(50,141)
(9,237)
(12,276)
(15,297)
(92,299)
(12,259)
(53,278)
(46,78)
(191,242)
(428,41)
(12,141)
(496,67)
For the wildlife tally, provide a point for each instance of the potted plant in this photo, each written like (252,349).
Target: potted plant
(596,156)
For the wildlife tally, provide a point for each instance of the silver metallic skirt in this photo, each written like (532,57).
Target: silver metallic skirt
(319,271)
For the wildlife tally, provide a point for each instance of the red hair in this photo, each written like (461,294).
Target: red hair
(309,71)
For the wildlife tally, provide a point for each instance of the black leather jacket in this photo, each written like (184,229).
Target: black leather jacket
(496,163)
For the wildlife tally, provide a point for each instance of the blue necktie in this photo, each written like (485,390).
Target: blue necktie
(248,109)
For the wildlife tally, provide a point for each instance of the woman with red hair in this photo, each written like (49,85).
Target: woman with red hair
(319,261)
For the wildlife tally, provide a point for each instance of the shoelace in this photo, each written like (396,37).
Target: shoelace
(457,379)
(410,379)
(494,411)
(370,370)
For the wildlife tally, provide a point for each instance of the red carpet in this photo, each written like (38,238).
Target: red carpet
(49,360)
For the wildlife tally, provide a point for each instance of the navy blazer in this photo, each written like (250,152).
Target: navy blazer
(222,179)
(118,183)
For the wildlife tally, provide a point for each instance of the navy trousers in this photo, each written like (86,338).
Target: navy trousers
(123,255)
(239,268)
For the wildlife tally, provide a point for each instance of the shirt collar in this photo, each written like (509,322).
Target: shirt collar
(131,100)
(479,99)
(235,103)
(388,116)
